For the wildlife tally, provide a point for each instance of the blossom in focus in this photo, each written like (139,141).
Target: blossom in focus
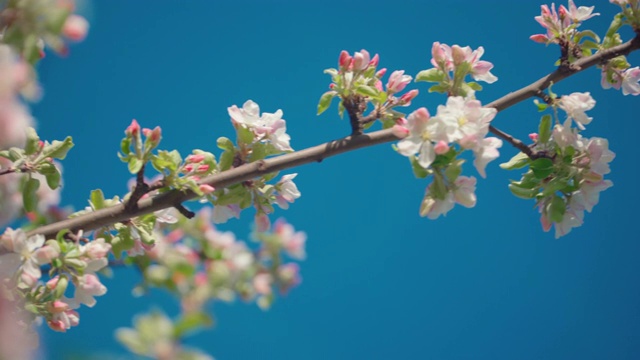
(266,126)
(287,191)
(480,69)
(397,81)
(575,105)
(24,254)
(87,287)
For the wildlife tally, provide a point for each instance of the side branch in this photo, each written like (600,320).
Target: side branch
(118,213)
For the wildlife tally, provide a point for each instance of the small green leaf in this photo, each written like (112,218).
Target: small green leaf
(540,105)
(245,135)
(418,170)
(475,86)
(439,88)
(438,188)
(544,129)
(225,144)
(53,179)
(518,161)
(226,159)
(430,75)
(33,140)
(58,149)
(522,192)
(367,91)
(29,197)
(325,101)
(454,170)
(97,199)
(135,165)
(191,321)
(542,167)
(556,209)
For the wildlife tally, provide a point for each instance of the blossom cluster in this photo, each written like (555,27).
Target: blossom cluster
(21,258)
(568,179)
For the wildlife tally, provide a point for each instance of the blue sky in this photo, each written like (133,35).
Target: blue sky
(379,281)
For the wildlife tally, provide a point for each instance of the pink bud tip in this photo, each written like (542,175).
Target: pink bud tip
(133,129)
(374,61)
(441,147)
(381,72)
(195,158)
(203,168)
(207,189)
(539,38)
(188,168)
(406,98)
(345,59)
(533,137)
(332,86)
(400,131)
(75,27)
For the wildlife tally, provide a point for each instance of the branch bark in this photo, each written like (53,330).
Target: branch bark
(175,198)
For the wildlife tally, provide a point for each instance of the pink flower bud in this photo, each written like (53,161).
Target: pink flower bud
(401,121)
(188,168)
(422,114)
(75,27)
(381,73)
(441,147)
(458,54)
(378,85)
(133,129)
(153,135)
(361,60)
(539,38)
(203,168)
(262,283)
(374,61)
(344,60)
(196,158)
(546,224)
(332,86)
(533,137)
(58,306)
(51,284)
(46,254)
(207,189)
(400,131)
(406,98)
(262,222)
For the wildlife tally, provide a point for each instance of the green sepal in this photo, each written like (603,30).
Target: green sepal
(439,88)
(367,91)
(438,188)
(454,170)
(135,165)
(540,105)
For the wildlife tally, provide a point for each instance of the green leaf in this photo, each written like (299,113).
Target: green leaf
(135,165)
(325,101)
(544,129)
(58,149)
(540,105)
(332,72)
(225,144)
(615,25)
(586,33)
(191,321)
(556,209)
(518,161)
(226,159)
(454,170)
(245,135)
(367,91)
(29,197)
(166,160)
(418,170)
(542,167)
(125,146)
(438,188)
(32,142)
(523,192)
(97,199)
(53,179)
(475,86)
(430,75)
(440,88)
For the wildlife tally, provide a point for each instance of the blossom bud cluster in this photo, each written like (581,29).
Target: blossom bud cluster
(357,82)
(561,25)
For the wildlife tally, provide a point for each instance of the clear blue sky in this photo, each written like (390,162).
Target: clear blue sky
(379,282)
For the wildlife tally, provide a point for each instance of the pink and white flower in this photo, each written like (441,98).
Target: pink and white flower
(575,105)
(287,191)
(269,127)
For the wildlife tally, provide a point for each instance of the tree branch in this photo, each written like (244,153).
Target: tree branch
(118,213)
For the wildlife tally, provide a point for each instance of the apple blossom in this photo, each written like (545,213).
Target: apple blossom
(292,241)
(75,27)
(287,191)
(397,81)
(575,106)
(87,287)
(267,126)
